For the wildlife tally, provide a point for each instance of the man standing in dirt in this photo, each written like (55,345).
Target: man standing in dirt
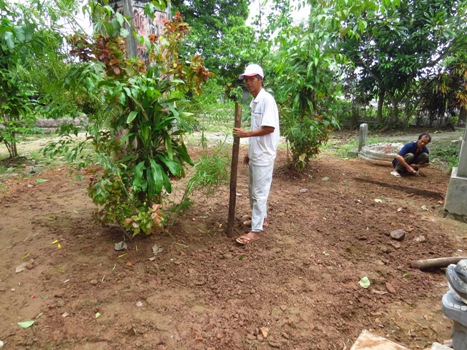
(263,142)
(412,157)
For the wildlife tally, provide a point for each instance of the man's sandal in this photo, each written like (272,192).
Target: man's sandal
(247,238)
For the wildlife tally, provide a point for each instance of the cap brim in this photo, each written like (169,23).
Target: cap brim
(241,76)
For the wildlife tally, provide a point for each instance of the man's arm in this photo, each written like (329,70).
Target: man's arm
(418,166)
(264,130)
(402,161)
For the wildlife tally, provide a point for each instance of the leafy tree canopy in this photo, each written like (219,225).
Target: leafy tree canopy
(219,34)
(391,44)
(30,59)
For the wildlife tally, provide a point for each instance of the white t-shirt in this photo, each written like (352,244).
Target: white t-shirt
(262,149)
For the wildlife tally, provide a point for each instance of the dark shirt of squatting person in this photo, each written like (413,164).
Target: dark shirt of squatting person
(410,147)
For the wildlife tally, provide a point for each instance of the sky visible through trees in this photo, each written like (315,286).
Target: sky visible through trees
(299,15)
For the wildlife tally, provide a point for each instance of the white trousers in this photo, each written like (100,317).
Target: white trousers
(259,185)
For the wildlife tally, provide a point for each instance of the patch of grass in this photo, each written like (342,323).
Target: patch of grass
(40,135)
(341,148)
(211,171)
(33,156)
(445,155)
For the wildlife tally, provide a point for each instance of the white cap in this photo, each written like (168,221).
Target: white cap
(252,70)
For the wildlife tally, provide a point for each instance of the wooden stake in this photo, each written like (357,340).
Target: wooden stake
(428,264)
(233,172)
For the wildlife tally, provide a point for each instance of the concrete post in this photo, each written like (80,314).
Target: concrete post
(362,136)
(455,204)
(462,167)
(453,304)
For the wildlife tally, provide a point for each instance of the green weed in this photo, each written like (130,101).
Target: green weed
(445,156)
(211,171)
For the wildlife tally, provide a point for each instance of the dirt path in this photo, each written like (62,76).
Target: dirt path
(295,288)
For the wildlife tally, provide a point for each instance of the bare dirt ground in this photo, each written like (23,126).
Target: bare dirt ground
(295,288)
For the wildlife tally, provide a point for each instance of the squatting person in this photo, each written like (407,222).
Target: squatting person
(412,157)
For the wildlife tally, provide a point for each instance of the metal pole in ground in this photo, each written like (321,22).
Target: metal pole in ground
(233,172)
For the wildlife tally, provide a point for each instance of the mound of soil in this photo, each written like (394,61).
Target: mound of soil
(297,287)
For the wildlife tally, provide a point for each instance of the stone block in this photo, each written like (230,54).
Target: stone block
(369,341)
(455,204)
(438,346)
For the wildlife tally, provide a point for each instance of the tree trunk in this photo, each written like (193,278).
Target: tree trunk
(409,111)
(462,120)
(15,150)
(130,41)
(395,113)
(382,92)
(11,147)
(355,118)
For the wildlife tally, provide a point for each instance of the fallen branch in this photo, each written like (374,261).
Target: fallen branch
(429,264)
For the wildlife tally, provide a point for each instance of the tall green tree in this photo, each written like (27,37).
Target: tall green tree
(31,59)
(392,44)
(444,93)
(305,85)
(218,32)
(15,104)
